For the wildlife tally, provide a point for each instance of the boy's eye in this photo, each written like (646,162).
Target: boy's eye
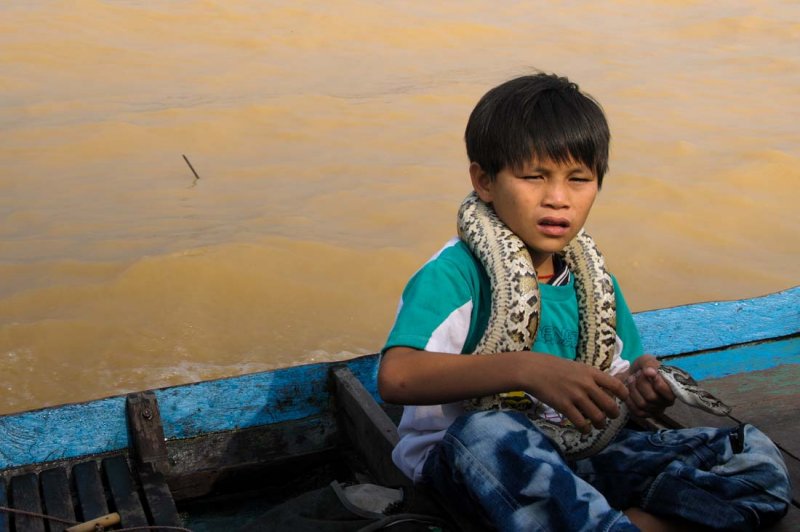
(534,176)
(580,179)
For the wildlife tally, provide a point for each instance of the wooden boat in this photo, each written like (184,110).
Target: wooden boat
(207,455)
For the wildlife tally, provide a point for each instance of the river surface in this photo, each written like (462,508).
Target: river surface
(328,141)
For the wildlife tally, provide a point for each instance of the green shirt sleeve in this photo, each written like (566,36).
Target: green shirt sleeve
(626,327)
(436,311)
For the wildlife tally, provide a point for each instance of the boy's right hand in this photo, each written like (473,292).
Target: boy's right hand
(583,394)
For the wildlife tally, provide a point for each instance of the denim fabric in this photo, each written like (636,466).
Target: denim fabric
(499,468)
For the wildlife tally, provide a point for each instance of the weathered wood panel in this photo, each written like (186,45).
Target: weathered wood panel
(199,463)
(89,487)
(123,492)
(160,503)
(3,502)
(704,326)
(369,428)
(146,431)
(56,493)
(25,496)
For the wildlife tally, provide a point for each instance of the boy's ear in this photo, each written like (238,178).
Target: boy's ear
(481,182)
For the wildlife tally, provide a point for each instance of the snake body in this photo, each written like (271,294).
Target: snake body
(514,319)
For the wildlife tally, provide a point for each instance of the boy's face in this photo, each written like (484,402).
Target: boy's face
(544,203)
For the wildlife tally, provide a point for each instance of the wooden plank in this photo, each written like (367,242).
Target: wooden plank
(374,436)
(25,496)
(4,521)
(197,464)
(56,494)
(89,487)
(123,492)
(685,329)
(147,432)
(159,503)
(370,429)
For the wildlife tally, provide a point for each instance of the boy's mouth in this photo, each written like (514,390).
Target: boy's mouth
(553,226)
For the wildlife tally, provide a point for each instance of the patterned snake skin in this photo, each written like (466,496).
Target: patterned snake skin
(515,311)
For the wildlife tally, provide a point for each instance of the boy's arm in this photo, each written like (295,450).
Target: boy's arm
(578,391)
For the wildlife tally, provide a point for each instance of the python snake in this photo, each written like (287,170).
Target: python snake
(514,319)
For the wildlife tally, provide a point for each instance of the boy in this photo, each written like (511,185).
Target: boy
(538,151)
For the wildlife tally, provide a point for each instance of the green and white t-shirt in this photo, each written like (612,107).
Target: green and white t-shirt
(445,308)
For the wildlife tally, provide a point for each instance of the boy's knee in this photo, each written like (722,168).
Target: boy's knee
(757,458)
(748,439)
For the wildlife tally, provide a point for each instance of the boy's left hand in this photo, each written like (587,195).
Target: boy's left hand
(649,393)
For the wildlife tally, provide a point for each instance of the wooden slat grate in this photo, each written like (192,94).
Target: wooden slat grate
(89,490)
(56,494)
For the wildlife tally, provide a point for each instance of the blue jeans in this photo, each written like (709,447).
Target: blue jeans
(498,467)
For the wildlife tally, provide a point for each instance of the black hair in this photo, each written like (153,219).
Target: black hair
(543,116)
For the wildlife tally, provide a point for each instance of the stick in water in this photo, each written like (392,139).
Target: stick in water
(191,167)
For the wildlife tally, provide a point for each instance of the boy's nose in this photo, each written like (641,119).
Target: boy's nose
(555,195)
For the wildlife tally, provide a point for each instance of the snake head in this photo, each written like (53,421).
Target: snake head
(687,390)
